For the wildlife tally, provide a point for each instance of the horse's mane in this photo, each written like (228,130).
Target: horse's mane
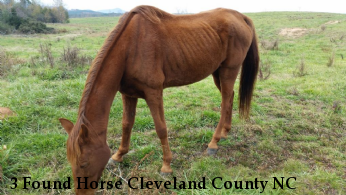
(150,13)
(98,61)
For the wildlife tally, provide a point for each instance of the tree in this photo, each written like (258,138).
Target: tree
(27,15)
(60,11)
(8,3)
(25,3)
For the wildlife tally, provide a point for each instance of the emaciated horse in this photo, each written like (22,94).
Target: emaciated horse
(150,50)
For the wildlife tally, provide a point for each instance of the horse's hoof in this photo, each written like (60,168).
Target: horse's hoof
(211,151)
(165,174)
(111,163)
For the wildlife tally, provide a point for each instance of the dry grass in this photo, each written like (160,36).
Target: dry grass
(7,61)
(270,45)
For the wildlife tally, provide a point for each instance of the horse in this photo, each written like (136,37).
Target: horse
(150,50)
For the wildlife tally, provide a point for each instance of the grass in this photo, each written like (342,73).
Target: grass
(297,126)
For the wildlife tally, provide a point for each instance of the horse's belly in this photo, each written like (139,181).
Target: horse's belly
(187,74)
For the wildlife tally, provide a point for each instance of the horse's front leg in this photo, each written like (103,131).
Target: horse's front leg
(155,103)
(129,112)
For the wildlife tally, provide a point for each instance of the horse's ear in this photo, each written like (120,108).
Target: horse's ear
(68,125)
(84,134)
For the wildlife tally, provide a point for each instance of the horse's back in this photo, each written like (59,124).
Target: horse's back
(180,50)
(198,44)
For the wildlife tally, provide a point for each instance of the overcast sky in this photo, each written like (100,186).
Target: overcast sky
(173,6)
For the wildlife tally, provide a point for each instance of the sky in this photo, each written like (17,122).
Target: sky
(174,6)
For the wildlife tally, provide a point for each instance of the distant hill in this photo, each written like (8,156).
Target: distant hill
(116,10)
(76,13)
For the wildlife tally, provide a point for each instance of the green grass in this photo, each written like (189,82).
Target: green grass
(297,125)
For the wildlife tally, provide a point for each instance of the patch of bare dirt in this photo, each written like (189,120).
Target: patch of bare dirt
(333,22)
(69,36)
(6,112)
(293,32)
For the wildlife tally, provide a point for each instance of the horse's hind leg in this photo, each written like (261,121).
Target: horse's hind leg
(155,103)
(228,121)
(216,78)
(129,112)
(227,77)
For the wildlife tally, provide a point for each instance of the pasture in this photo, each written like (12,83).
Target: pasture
(297,125)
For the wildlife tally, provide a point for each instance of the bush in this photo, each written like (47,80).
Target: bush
(14,20)
(5,28)
(34,27)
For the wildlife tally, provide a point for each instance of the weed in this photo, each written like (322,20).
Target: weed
(331,59)
(71,55)
(293,91)
(7,61)
(46,53)
(333,40)
(265,70)
(323,28)
(270,45)
(336,106)
(64,30)
(301,69)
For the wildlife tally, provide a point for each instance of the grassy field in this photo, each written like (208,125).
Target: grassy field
(297,126)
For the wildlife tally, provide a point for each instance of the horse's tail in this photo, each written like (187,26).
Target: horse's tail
(248,75)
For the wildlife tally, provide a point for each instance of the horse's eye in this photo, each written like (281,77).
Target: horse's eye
(84,164)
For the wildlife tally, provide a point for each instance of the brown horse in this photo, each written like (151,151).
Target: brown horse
(150,50)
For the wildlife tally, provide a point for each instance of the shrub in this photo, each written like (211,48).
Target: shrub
(265,69)
(34,27)
(71,55)
(14,20)
(5,28)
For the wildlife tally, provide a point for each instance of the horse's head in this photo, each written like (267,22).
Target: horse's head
(88,155)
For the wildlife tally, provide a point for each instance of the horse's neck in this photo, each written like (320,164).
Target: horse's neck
(103,89)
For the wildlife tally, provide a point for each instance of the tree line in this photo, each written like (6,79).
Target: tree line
(28,16)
